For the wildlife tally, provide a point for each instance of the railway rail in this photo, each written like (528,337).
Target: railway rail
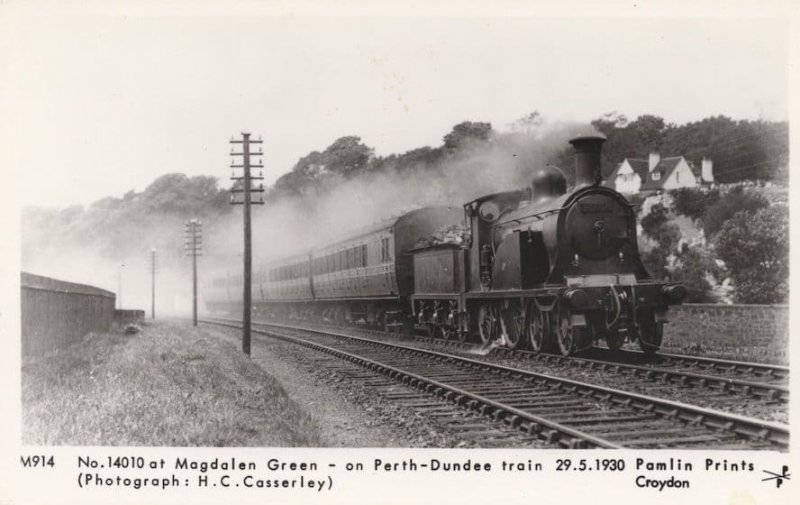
(760,381)
(561,411)
(757,380)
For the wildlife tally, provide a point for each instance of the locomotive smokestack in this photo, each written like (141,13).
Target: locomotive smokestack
(587,159)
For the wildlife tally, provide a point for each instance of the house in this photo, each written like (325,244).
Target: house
(657,173)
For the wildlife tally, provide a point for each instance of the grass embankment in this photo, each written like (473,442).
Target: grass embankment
(171,384)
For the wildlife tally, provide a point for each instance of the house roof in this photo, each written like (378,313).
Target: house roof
(639,167)
(665,167)
(642,168)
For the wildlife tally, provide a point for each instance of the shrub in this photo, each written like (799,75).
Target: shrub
(755,248)
(655,262)
(655,220)
(692,270)
(694,202)
(730,204)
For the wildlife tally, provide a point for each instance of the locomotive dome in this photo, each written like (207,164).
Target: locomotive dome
(547,182)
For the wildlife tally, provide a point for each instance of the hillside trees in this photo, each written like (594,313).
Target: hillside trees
(346,157)
(740,150)
(466,133)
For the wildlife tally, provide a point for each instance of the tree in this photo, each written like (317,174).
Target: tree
(347,156)
(648,130)
(755,249)
(735,201)
(528,123)
(653,223)
(694,202)
(467,133)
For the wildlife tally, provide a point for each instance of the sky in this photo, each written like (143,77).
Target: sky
(103,103)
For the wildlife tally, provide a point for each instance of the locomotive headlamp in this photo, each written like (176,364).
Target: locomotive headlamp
(578,299)
(674,293)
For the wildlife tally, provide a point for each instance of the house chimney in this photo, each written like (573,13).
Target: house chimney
(652,163)
(587,159)
(707,170)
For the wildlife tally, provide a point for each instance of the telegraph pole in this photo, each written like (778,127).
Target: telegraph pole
(119,285)
(153,269)
(246,191)
(193,246)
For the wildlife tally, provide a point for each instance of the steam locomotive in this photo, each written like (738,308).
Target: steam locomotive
(541,268)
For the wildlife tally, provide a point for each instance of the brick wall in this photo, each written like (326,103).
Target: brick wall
(56,314)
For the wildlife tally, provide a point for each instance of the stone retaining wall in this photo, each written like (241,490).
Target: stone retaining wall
(734,325)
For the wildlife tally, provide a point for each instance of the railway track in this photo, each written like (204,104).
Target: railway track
(757,380)
(761,381)
(558,410)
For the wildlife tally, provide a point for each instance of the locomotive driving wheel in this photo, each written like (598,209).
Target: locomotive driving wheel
(488,324)
(571,338)
(565,335)
(650,335)
(538,328)
(513,325)
(614,339)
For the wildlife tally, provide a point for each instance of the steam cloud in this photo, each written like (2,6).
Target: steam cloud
(286,226)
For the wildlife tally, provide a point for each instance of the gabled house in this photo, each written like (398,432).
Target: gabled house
(657,173)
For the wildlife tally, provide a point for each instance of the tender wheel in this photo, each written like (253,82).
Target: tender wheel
(538,328)
(488,325)
(461,328)
(445,331)
(513,325)
(380,320)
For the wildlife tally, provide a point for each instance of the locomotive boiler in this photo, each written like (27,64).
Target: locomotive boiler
(546,268)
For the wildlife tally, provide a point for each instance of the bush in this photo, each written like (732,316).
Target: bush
(730,204)
(694,202)
(655,262)
(653,222)
(755,248)
(692,270)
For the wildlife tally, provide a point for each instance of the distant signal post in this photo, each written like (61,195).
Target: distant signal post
(193,244)
(245,189)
